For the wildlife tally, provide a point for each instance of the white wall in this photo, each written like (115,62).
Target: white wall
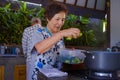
(115,22)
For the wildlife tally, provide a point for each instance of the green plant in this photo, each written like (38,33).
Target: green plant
(88,38)
(13,22)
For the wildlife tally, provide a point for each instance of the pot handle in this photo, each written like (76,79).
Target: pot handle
(115,49)
(89,54)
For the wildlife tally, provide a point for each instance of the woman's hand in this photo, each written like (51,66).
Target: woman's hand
(71,33)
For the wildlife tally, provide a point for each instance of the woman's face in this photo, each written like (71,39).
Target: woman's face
(54,25)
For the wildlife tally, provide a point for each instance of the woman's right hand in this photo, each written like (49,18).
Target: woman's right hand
(71,33)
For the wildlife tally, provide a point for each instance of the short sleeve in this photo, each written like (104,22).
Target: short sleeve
(36,37)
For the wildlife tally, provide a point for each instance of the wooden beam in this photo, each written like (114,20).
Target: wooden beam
(75,2)
(86,3)
(95,4)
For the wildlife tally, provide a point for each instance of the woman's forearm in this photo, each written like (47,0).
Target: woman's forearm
(46,44)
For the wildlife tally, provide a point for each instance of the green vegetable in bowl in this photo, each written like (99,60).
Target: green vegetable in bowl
(75,60)
(67,61)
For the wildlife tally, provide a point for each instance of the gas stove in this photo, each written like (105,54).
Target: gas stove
(78,75)
(96,75)
(93,75)
(84,75)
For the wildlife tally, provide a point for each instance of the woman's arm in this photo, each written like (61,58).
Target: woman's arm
(46,44)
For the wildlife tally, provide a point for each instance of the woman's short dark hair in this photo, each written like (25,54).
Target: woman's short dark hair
(53,9)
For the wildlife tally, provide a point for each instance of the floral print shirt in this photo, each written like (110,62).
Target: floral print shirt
(47,59)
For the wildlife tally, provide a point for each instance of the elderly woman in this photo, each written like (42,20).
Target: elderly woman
(46,41)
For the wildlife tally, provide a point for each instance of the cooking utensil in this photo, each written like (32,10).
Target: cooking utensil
(102,61)
(70,56)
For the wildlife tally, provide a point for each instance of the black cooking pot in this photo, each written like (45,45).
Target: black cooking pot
(103,61)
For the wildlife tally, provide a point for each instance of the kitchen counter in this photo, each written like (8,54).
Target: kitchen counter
(72,75)
(74,72)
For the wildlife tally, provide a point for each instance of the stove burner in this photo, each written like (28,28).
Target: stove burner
(92,75)
(103,74)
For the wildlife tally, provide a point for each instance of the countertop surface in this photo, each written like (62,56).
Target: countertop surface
(72,75)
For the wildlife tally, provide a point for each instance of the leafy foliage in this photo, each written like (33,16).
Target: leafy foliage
(13,22)
(88,38)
